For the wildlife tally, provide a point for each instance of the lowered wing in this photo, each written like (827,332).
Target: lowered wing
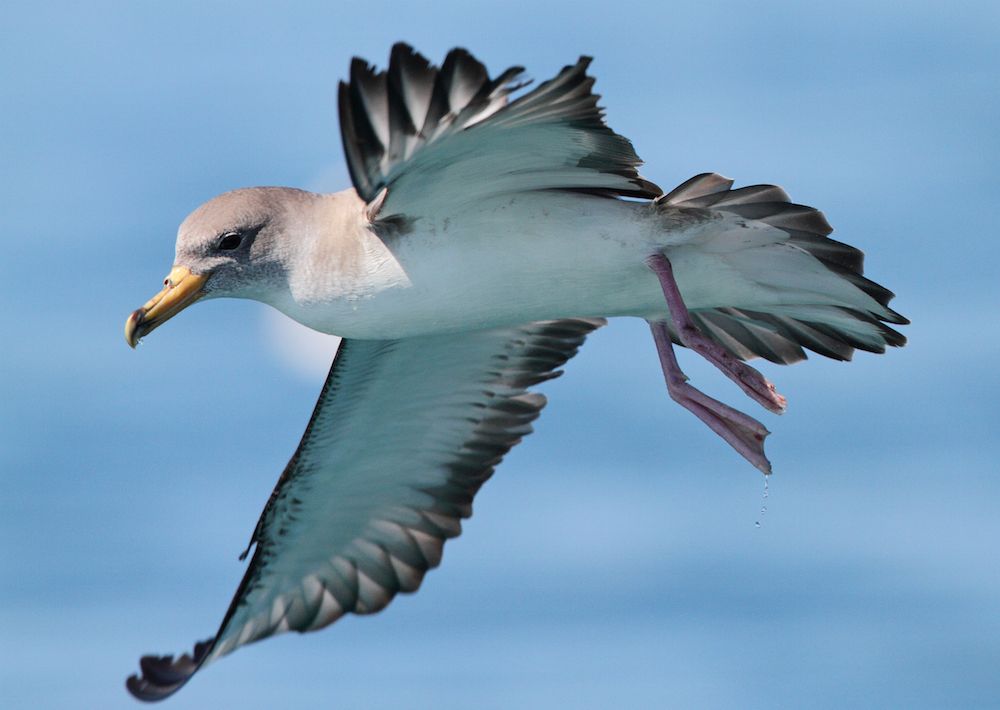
(403,435)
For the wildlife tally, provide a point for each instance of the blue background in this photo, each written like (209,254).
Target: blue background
(615,558)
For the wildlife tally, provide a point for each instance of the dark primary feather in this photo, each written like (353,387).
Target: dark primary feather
(402,437)
(781,339)
(162,676)
(385,116)
(388,118)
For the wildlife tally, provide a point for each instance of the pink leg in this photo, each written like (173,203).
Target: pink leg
(743,433)
(749,380)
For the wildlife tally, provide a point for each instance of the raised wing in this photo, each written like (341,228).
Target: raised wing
(440,138)
(404,434)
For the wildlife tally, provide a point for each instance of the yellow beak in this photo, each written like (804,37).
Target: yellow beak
(181,288)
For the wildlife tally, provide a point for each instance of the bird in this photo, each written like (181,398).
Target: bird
(491,226)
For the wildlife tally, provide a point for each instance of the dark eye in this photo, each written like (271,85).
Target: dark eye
(230,241)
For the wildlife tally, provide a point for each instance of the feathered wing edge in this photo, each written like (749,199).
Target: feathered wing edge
(532,355)
(387,117)
(776,337)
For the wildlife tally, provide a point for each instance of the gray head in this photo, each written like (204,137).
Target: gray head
(233,245)
(238,239)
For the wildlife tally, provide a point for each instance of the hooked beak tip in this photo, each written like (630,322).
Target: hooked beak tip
(181,288)
(133,328)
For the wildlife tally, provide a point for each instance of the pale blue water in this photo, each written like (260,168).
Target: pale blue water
(614,560)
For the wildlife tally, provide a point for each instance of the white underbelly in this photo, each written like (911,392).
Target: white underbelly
(570,256)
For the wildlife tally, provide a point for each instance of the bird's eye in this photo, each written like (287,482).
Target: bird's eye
(230,241)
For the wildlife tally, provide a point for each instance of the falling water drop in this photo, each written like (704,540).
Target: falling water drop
(763,505)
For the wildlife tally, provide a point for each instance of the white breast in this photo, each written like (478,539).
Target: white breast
(518,259)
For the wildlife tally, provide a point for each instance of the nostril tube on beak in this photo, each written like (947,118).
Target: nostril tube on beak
(181,288)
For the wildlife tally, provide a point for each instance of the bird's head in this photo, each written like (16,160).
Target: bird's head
(233,245)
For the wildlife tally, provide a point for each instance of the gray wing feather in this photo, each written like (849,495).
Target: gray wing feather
(453,132)
(402,437)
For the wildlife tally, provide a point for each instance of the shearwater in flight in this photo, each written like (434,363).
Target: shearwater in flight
(486,234)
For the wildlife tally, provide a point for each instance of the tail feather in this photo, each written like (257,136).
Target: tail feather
(831,311)
(754,337)
(697,188)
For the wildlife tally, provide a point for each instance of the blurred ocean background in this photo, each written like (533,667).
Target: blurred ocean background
(615,560)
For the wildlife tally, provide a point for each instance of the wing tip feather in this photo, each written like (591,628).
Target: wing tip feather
(162,676)
(379,135)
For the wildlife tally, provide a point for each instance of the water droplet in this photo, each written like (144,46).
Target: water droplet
(763,505)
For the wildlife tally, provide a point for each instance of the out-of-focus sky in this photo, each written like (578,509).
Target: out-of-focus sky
(614,560)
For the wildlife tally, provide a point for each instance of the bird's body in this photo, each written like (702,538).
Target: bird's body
(574,255)
(483,239)
(570,255)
